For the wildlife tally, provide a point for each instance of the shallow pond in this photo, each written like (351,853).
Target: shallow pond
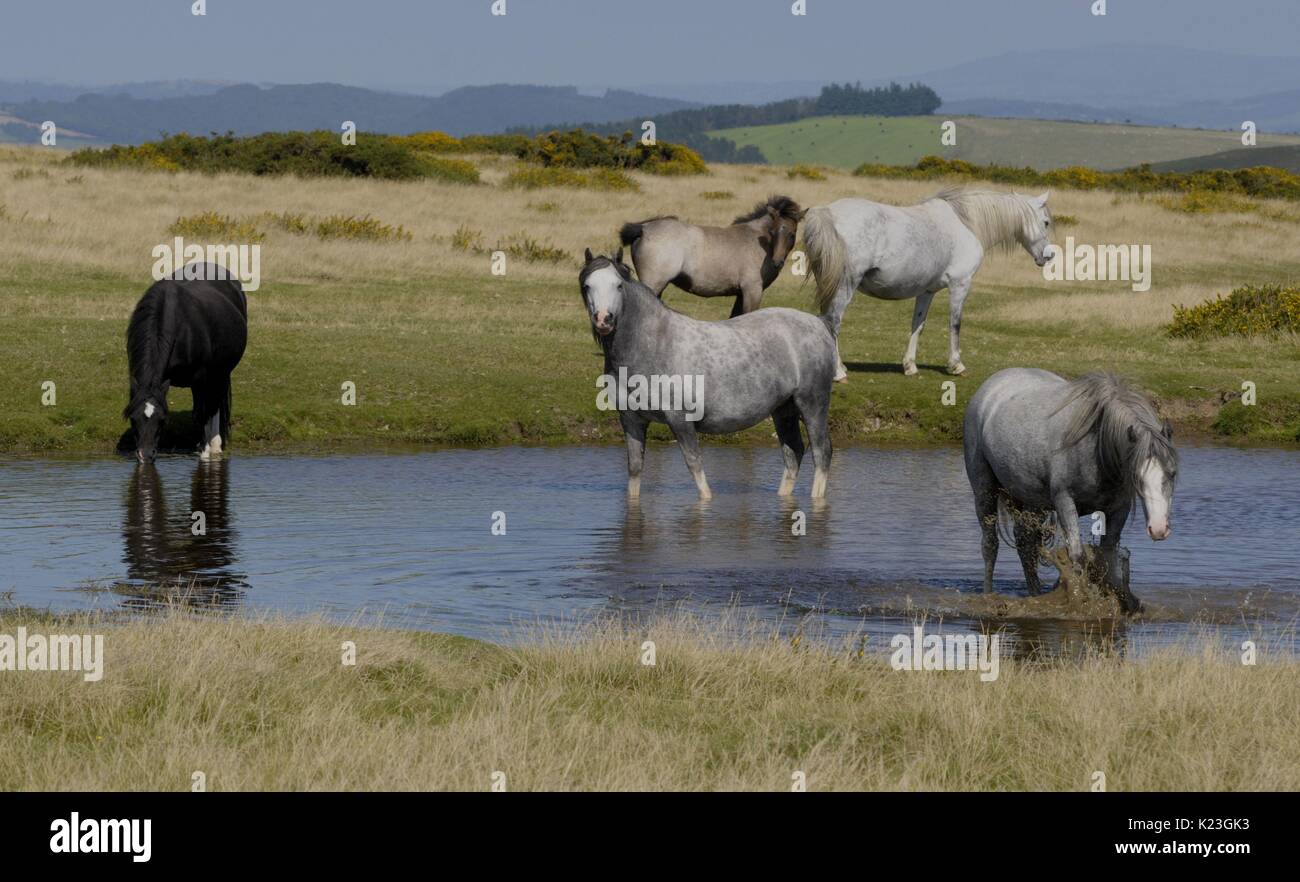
(410,536)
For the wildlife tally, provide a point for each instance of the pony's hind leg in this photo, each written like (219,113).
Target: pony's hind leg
(1029,542)
(957,292)
(985,487)
(689,442)
(210,404)
(918,325)
(814,415)
(786,420)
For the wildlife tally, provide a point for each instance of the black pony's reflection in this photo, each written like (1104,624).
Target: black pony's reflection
(184,555)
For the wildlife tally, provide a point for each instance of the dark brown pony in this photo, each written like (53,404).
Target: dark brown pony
(739,261)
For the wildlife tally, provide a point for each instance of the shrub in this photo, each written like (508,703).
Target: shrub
(1249,310)
(1260,182)
(581,149)
(531,178)
(1206,202)
(212,226)
(339,226)
(309,154)
(467,239)
(291,223)
(807,172)
(524,247)
(717,194)
(455,171)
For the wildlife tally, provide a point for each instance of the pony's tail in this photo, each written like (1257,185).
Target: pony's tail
(630,233)
(825,254)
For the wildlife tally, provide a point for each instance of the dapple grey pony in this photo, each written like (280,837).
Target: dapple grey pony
(1043,445)
(773,362)
(741,260)
(895,253)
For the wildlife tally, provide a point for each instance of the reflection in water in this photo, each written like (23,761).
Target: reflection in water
(172,555)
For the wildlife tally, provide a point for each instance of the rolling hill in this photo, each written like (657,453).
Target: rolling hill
(1287,157)
(846,142)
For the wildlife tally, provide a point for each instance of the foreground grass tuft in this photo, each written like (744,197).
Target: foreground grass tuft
(268,704)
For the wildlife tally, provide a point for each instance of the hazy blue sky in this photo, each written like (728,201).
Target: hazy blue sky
(603,42)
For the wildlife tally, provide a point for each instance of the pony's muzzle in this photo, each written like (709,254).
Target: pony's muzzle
(604,323)
(1158,532)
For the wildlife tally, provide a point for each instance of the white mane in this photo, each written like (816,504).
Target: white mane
(998,220)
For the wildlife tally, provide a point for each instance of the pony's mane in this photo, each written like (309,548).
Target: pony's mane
(784,205)
(998,220)
(1109,407)
(142,352)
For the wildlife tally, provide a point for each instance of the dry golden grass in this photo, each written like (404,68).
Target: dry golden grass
(268,705)
(111,219)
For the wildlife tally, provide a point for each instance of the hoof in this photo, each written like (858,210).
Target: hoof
(843,379)
(957,369)
(909,370)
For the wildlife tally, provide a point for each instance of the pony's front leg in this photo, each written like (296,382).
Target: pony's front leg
(634,433)
(918,325)
(689,442)
(1067,517)
(957,292)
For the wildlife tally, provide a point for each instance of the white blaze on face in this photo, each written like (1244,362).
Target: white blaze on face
(148,410)
(604,296)
(1155,502)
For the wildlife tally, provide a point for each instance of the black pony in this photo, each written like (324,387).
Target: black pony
(186,332)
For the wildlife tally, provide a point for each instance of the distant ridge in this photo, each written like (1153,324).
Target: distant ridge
(250,110)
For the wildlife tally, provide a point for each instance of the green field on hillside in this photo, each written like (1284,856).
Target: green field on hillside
(846,142)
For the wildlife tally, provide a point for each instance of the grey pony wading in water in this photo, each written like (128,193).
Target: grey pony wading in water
(1045,445)
(773,362)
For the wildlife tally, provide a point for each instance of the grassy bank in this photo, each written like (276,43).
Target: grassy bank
(269,705)
(442,352)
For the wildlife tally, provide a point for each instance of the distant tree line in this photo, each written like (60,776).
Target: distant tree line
(689,126)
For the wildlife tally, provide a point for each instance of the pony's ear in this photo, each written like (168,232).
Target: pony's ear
(802,213)
(1042,200)
(1169,430)
(1132,434)
(588,255)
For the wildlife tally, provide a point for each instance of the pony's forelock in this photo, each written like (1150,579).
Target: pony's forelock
(1109,407)
(785,207)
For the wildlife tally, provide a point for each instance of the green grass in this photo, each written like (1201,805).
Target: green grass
(846,142)
(515,363)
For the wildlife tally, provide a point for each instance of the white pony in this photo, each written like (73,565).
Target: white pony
(899,253)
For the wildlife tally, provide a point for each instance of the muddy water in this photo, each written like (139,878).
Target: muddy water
(409,536)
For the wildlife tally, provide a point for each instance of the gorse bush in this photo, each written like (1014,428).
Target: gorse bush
(531,178)
(346,226)
(526,248)
(1247,311)
(580,149)
(807,172)
(210,225)
(309,154)
(395,157)
(1260,182)
(1207,202)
